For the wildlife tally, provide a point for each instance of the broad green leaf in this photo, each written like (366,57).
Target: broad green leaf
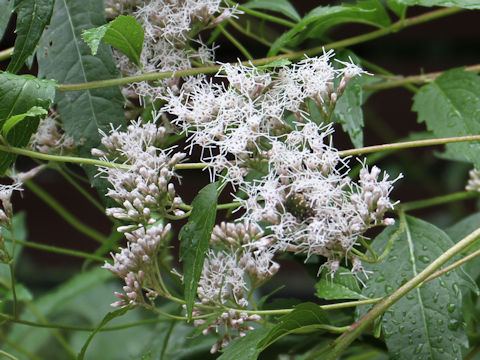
(14,120)
(304,318)
(109,317)
(18,94)
(281,6)
(398,7)
(124,34)
(427,322)
(65,57)
(320,19)
(450,106)
(344,285)
(247,347)
(195,239)
(466,4)
(6,8)
(461,229)
(32,17)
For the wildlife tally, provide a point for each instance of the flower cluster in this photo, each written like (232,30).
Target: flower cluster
(49,137)
(241,262)
(473,183)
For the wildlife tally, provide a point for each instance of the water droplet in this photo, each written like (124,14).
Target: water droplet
(425,259)
(456,289)
(401,328)
(410,296)
(453,324)
(442,283)
(435,297)
(451,308)
(388,289)
(418,349)
(441,350)
(440,322)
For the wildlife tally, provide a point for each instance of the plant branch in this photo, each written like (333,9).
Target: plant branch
(438,200)
(262,15)
(435,14)
(357,328)
(408,144)
(235,42)
(6,54)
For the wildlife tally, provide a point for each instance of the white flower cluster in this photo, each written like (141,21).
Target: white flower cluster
(169,28)
(50,138)
(473,183)
(145,188)
(241,255)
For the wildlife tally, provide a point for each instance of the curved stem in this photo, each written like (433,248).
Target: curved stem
(10,356)
(357,328)
(235,42)
(294,55)
(438,200)
(6,54)
(262,15)
(408,144)
(64,213)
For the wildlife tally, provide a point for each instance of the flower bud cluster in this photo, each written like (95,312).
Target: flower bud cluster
(230,274)
(145,188)
(136,263)
(473,183)
(49,138)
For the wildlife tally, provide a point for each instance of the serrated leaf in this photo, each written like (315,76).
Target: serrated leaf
(466,4)
(195,239)
(302,319)
(320,19)
(65,57)
(450,106)
(109,317)
(427,322)
(124,34)
(344,285)
(14,120)
(32,17)
(245,348)
(18,94)
(282,6)
(6,8)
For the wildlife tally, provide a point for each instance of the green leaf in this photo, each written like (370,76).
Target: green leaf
(109,317)
(427,322)
(466,4)
(275,64)
(320,19)
(195,239)
(18,94)
(20,231)
(450,106)
(32,17)
(397,7)
(66,58)
(6,8)
(124,34)
(460,230)
(344,285)
(14,120)
(245,348)
(281,6)
(304,318)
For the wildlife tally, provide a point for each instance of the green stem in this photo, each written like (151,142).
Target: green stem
(6,54)
(10,356)
(59,250)
(438,200)
(415,79)
(361,325)
(62,212)
(59,158)
(80,189)
(235,42)
(408,144)
(262,15)
(294,55)
(453,266)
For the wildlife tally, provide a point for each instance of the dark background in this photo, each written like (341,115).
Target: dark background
(438,45)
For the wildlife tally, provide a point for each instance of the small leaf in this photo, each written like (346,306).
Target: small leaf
(466,4)
(320,19)
(110,316)
(275,64)
(195,239)
(19,94)
(124,34)
(245,348)
(14,120)
(303,318)
(6,8)
(33,16)
(431,313)
(344,285)
(397,7)
(281,6)
(450,106)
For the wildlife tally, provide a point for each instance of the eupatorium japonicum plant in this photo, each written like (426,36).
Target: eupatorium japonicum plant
(256,103)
